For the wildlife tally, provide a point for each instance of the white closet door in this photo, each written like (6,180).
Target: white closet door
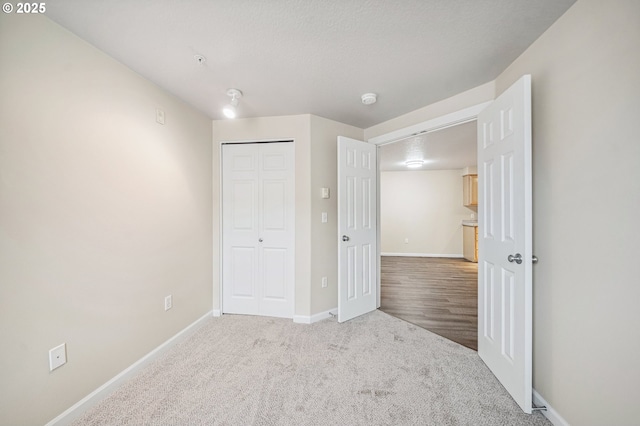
(258,229)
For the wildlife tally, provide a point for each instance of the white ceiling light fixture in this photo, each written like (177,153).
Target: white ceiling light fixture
(414,164)
(229,110)
(369,98)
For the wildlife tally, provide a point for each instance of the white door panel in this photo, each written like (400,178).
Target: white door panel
(258,229)
(357,195)
(505,221)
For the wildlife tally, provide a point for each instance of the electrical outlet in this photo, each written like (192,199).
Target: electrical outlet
(168,303)
(324,217)
(57,356)
(324,282)
(406,241)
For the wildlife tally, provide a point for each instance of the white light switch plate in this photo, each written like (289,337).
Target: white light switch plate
(159,116)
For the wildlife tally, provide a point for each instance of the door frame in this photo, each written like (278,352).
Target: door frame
(438,123)
(220,311)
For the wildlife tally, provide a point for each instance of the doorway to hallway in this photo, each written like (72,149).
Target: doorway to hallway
(435,293)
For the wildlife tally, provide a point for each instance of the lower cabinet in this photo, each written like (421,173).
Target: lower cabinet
(470,243)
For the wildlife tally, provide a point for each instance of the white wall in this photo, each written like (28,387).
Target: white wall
(103,212)
(425,207)
(586,197)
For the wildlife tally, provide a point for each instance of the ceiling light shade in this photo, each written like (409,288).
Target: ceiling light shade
(414,164)
(229,110)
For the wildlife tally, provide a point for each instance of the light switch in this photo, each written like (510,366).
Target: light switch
(159,116)
(325,192)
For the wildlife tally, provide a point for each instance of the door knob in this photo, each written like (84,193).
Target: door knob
(345,238)
(515,258)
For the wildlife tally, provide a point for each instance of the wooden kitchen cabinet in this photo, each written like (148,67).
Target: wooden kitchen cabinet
(470,243)
(470,190)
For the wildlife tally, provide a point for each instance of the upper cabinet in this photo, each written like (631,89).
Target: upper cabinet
(470,190)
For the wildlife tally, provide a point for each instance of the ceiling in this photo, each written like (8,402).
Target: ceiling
(318,57)
(446,149)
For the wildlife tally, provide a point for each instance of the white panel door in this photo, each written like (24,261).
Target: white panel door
(258,229)
(505,240)
(357,253)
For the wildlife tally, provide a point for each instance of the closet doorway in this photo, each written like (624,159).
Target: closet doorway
(258,228)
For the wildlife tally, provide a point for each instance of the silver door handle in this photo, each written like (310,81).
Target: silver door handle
(260,240)
(517,258)
(345,238)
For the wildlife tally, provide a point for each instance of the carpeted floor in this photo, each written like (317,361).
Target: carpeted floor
(373,370)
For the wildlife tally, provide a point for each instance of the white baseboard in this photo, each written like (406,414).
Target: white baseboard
(422,255)
(216,313)
(310,319)
(552,415)
(75,411)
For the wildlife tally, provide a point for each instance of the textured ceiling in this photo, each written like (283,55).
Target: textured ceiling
(447,149)
(318,57)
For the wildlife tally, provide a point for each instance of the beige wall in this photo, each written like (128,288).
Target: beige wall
(272,128)
(103,212)
(315,138)
(586,197)
(324,236)
(425,207)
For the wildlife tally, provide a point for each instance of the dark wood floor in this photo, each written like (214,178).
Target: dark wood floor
(439,294)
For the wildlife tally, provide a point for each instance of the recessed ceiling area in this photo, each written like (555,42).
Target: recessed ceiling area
(447,149)
(312,57)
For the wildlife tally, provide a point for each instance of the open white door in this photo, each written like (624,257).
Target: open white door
(505,241)
(357,253)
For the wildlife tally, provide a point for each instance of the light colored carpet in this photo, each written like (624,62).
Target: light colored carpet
(373,370)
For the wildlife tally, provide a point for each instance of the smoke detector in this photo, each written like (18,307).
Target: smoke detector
(369,98)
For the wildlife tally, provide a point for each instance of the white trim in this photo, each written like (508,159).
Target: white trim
(76,410)
(438,123)
(216,313)
(306,319)
(422,255)
(552,415)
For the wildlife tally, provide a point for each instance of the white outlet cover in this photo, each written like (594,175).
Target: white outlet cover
(57,356)
(168,303)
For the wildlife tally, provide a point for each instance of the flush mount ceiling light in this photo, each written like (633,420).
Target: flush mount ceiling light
(229,110)
(414,164)
(369,98)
